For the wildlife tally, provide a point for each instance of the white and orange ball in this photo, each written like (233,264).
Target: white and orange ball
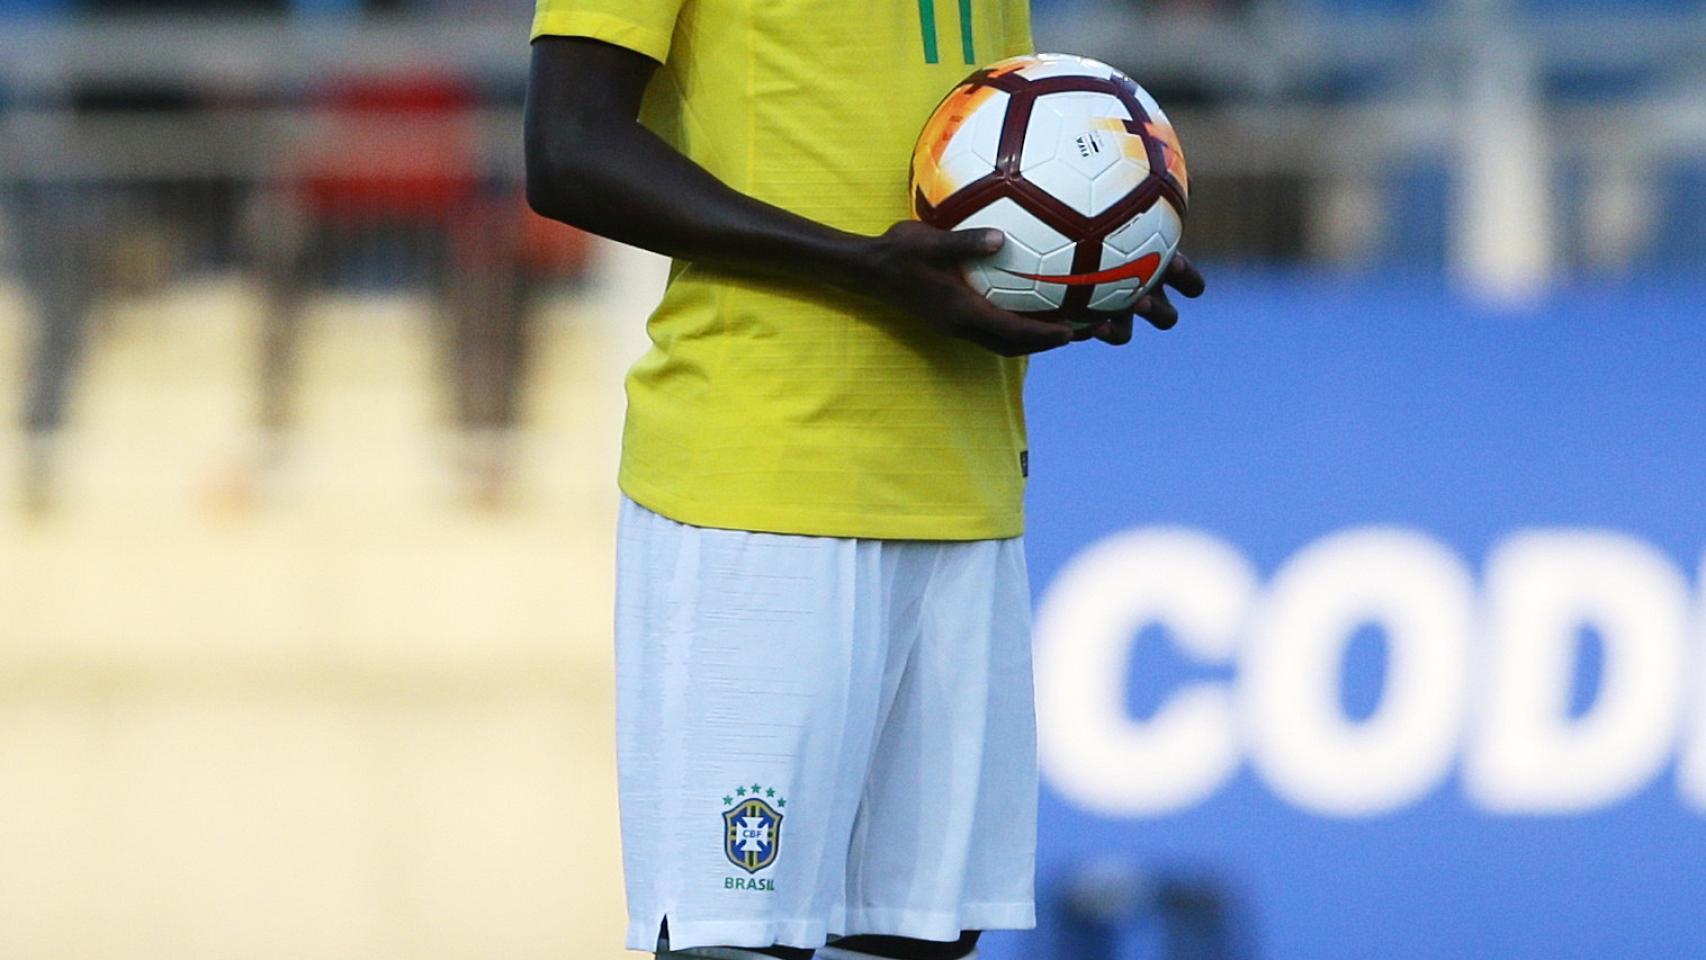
(1075,163)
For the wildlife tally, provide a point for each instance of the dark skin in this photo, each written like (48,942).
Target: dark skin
(592,165)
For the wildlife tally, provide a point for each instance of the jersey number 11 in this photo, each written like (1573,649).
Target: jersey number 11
(927,23)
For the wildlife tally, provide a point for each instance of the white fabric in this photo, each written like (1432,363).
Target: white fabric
(882,689)
(837,953)
(712,953)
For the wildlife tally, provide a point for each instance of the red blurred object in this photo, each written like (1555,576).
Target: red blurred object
(549,248)
(395,147)
(402,148)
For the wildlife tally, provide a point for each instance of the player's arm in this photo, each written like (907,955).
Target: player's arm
(591,164)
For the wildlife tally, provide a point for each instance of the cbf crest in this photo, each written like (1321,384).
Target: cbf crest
(752,827)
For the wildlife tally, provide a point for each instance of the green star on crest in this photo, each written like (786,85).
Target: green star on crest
(756,788)
(740,791)
(781,803)
(728,800)
(770,792)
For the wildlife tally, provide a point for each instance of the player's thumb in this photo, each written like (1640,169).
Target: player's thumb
(971,244)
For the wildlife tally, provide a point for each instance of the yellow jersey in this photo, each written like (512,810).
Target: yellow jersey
(786,406)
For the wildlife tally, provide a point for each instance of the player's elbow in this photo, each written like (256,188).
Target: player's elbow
(560,165)
(552,174)
(543,197)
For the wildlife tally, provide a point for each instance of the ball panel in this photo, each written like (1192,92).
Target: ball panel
(1095,160)
(1159,223)
(1022,301)
(1059,263)
(1155,231)
(1044,65)
(1118,297)
(1032,247)
(1149,105)
(981,136)
(1169,225)
(1027,236)
(978,277)
(1085,105)
(952,151)
(1047,160)
(1085,125)
(1161,130)
(1015,257)
(1120,179)
(1114,298)
(1042,139)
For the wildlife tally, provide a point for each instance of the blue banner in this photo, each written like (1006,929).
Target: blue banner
(1378,615)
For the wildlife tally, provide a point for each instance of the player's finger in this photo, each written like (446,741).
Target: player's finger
(1182,275)
(1155,308)
(1115,332)
(970,244)
(1016,335)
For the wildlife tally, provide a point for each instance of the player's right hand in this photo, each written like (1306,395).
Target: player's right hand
(1155,307)
(916,268)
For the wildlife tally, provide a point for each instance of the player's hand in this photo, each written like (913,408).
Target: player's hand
(1154,306)
(916,267)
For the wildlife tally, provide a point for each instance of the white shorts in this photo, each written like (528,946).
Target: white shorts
(822,737)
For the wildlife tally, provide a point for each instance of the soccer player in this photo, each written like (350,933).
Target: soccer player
(824,707)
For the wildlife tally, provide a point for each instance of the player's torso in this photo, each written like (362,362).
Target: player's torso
(808,103)
(765,389)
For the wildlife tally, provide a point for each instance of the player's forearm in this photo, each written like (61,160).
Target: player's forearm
(618,180)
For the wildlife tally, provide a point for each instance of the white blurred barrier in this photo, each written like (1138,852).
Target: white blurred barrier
(347,719)
(1504,247)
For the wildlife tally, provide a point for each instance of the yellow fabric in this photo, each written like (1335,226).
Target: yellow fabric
(786,406)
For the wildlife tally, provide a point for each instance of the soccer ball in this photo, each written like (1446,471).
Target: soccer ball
(1075,163)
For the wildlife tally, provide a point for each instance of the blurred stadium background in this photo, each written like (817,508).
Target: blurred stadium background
(306,494)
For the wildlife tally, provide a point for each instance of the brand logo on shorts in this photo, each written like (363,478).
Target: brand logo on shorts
(752,827)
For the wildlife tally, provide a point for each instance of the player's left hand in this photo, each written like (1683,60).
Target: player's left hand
(1154,307)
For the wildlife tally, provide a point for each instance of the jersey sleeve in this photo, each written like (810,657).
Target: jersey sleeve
(643,26)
